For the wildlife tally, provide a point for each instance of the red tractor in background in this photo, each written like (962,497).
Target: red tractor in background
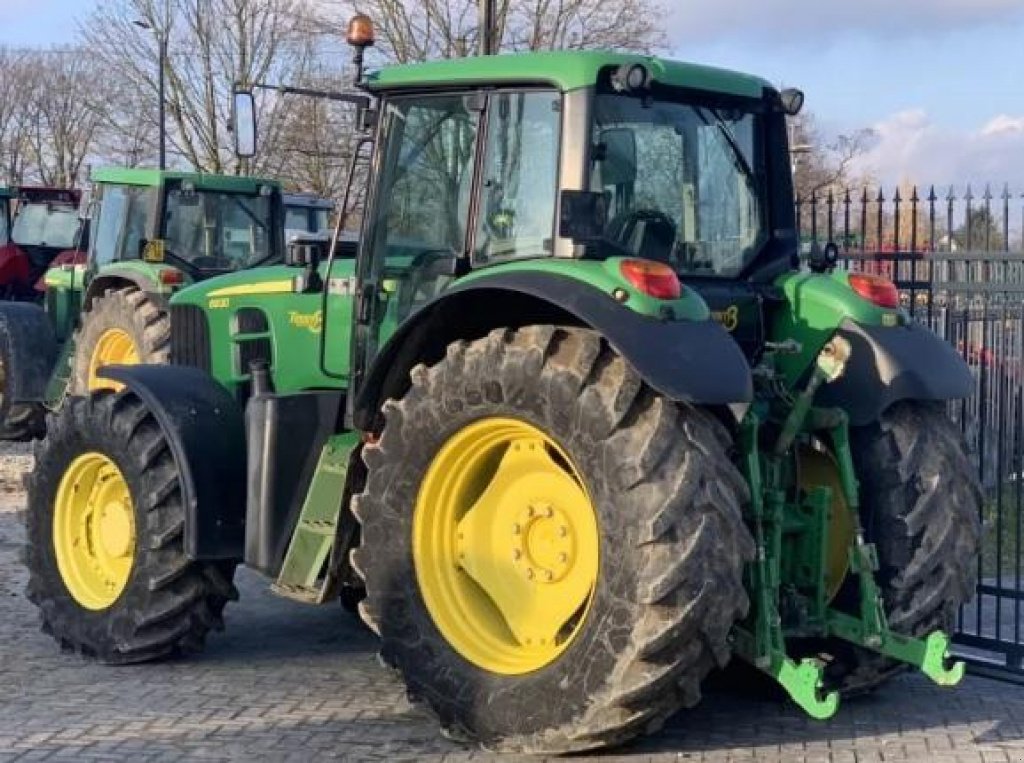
(44,229)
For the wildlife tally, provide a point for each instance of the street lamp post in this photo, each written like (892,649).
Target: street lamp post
(162,109)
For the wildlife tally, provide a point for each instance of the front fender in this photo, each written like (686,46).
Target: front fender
(205,429)
(889,364)
(685,360)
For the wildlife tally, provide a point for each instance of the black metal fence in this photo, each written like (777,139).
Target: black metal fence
(957,258)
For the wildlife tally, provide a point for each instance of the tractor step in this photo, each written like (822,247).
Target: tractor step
(304,575)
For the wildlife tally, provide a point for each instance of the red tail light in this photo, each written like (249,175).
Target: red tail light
(875,289)
(655,279)
(171,277)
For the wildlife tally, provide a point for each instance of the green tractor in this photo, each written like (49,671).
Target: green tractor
(574,421)
(153,233)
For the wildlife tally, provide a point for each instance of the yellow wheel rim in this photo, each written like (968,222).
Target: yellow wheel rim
(115,347)
(820,469)
(505,546)
(94,531)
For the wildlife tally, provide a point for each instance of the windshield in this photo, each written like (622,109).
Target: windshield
(50,225)
(682,180)
(306,219)
(216,230)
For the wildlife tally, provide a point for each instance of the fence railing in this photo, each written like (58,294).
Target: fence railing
(958,261)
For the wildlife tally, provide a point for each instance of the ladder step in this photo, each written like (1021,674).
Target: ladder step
(318,526)
(297,592)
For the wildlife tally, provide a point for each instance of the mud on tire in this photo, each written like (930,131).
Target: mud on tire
(672,542)
(169,603)
(125,308)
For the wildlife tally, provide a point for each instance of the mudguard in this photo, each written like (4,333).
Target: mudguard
(205,429)
(889,364)
(28,351)
(690,361)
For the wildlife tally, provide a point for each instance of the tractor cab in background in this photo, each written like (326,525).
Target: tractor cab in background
(45,228)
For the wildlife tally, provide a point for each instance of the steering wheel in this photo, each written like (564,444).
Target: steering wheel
(425,268)
(659,233)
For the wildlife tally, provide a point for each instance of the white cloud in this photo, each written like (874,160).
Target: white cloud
(909,145)
(774,22)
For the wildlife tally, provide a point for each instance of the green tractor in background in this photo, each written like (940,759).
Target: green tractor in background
(574,417)
(153,233)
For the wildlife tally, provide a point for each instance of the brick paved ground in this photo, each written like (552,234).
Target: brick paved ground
(287,682)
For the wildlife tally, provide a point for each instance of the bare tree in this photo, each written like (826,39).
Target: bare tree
(18,77)
(821,164)
(417,31)
(212,45)
(66,123)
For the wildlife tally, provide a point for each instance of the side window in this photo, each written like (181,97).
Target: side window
(137,221)
(520,177)
(428,184)
(420,226)
(110,222)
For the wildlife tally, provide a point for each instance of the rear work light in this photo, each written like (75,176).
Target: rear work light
(655,279)
(877,290)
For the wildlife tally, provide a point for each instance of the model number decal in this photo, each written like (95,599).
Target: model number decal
(729,317)
(219,303)
(311,321)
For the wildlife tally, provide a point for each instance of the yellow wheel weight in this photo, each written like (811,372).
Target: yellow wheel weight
(820,469)
(94,531)
(114,347)
(505,546)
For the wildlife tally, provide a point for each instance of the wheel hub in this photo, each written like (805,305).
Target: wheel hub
(94,531)
(542,543)
(115,346)
(505,545)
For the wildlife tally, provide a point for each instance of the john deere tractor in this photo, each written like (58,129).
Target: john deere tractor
(154,232)
(568,491)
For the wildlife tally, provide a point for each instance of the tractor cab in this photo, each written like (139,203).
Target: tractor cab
(44,226)
(306,213)
(183,227)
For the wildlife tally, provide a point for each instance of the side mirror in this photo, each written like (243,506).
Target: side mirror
(792,101)
(583,215)
(616,152)
(244,123)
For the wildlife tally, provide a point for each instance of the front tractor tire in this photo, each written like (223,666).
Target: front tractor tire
(123,326)
(920,506)
(107,567)
(553,553)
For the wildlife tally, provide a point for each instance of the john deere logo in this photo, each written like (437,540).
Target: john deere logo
(311,321)
(729,317)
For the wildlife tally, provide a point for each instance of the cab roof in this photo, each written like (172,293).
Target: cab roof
(564,70)
(206,181)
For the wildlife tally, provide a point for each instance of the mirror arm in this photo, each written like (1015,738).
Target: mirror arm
(360,100)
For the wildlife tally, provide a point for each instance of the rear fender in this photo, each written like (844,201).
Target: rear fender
(890,364)
(686,360)
(205,430)
(28,351)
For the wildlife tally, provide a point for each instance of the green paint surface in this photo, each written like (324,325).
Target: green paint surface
(151,177)
(564,70)
(295,323)
(605,276)
(816,305)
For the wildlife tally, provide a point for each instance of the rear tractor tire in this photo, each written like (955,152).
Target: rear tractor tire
(121,327)
(105,554)
(553,553)
(920,506)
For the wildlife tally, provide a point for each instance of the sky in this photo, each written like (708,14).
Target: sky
(941,82)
